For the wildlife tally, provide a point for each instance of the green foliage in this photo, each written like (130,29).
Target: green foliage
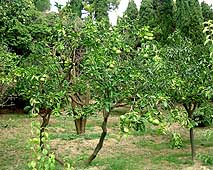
(42,5)
(41,82)
(180,116)
(49,58)
(164,17)
(7,68)
(176,141)
(189,20)
(206,159)
(131,13)
(203,115)
(209,38)
(207,11)
(73,8)
(146,13)
(99,8)
(42,159)
(111,68)
(132,121)
(16,19)
(188,71)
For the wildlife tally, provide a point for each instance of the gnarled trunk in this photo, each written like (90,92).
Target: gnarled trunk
(101,140)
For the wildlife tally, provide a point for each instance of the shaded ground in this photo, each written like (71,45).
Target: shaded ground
(149,151)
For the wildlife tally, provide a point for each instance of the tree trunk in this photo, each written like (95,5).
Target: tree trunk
(101,140)
(190,108)
(192,143)
(80,125)
(83,125)
(77,126)
(45,114)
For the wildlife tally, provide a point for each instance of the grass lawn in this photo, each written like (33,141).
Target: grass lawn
(138,151)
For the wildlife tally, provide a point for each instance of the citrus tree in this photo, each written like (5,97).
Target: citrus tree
(40,82)
(188,73)
(68,49)
(118,72)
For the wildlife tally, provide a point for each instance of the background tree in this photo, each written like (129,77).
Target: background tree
(99,9)
(74,8)
(207,11)
(164,17)
(8,66)
(131,13)
(146,13)
(209,38)
(189,20)
(16,19)
(188,76)
(42,5)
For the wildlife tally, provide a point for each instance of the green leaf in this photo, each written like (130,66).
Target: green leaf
(126,130)
(45,152)
(33,164)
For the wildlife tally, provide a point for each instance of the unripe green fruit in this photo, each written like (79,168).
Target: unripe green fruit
(118,52)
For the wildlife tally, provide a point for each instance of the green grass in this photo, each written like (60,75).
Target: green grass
(70,136)
(177,158)
(148,150)
(152,145)
(119,162)
(206,159)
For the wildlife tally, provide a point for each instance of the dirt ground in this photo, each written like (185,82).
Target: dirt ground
(136,151)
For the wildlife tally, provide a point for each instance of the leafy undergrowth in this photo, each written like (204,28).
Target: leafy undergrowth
(137,151)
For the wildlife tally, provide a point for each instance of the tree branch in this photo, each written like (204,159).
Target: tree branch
(79,103)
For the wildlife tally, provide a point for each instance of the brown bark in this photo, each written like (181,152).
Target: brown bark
(80,125)
(101,140)
(190,108)
(45,114)
(83,127)
(192,143)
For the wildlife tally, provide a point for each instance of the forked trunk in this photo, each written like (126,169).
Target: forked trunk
(190,108)
(101,140)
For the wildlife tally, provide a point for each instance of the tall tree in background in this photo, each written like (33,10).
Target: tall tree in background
(99,8)
(207,11)
(164,16)
(129,23)
(131,11)
(74,7)
(189,19)
(42,5)
(146,13)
